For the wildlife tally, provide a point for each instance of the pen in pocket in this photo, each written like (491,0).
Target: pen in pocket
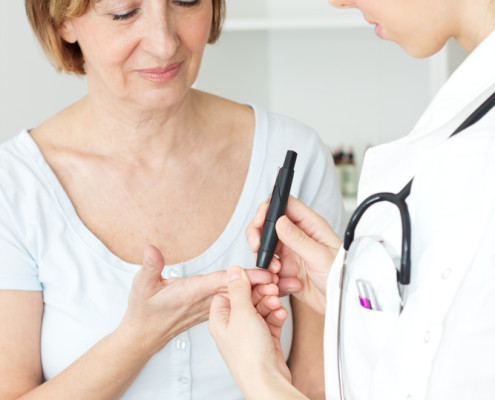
(366,294)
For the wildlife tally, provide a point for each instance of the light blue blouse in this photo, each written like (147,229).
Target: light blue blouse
(45,246)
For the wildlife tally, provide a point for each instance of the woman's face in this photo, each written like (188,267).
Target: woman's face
(146,52)
(420,27)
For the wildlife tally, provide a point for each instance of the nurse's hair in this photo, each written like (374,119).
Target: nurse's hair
(47,16)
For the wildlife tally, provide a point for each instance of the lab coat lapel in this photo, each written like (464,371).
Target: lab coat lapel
(390,166)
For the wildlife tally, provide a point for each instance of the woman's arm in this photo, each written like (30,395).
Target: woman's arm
(306,355)
(20,361)
(157,311)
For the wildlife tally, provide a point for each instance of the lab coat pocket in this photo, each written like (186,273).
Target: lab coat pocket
(365,331)
(365,335)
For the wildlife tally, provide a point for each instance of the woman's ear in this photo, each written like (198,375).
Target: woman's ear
(67,31)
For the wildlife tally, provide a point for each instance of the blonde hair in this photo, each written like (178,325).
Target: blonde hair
(47,16)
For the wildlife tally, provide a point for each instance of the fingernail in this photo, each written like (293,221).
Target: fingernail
(292,290)
(234,274)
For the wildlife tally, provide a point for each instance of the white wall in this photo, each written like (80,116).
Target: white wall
(30,89)
(353,88)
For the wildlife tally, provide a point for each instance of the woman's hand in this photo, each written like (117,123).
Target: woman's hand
(159,309)
(248,336)
(306,250)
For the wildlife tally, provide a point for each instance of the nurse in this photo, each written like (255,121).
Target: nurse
(413,318)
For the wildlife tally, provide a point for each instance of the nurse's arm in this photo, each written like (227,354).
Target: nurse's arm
(306,355)
(248,338)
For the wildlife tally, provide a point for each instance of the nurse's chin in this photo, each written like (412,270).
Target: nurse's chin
(421,48)
(379,31)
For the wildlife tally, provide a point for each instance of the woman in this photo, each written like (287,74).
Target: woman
(138,162)
(388,336)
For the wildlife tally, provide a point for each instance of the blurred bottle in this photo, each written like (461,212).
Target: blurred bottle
(338,159)
(349,174)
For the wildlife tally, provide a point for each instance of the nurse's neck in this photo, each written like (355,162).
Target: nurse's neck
(475,21)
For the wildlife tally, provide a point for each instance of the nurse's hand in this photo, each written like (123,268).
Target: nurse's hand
(307,248)
(248,336)
(159,309)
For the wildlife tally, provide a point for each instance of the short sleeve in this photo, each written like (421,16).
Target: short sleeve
(18,269)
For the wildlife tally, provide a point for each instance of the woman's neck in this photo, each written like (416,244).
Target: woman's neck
(110,129)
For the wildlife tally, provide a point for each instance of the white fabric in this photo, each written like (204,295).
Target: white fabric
(442,346)
(45,246)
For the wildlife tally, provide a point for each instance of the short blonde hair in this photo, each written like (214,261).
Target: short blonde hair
(46,18)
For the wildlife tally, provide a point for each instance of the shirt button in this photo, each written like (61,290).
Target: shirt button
(446,273)
(427,336)
(183,380)
(180,345)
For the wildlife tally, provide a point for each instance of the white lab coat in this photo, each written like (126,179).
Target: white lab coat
(442,346)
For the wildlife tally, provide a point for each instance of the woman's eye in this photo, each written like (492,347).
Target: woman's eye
(187,3)
(121,17)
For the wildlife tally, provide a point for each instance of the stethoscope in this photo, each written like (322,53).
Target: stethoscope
(404,267)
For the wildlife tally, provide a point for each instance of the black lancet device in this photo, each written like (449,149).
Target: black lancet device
(276,209)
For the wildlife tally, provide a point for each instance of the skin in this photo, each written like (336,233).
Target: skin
(308,244)
(135,141)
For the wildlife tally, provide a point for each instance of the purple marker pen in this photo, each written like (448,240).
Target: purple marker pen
(366,294)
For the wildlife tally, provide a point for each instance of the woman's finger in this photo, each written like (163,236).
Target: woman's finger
(149,277)
(218,281)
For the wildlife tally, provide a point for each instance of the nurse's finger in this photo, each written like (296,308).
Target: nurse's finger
(261,291)
(275,265)
(239,290)
(268,304)
(276,319)
(255,227)
(310,250)
(219,314)
(289,285)
(313,224)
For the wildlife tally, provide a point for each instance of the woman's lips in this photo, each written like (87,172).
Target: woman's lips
(161,74)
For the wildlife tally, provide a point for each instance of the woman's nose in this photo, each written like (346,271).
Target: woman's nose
(161,38)
(342,3)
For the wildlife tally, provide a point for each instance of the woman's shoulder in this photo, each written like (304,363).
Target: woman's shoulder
(14,153)
(21,164)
